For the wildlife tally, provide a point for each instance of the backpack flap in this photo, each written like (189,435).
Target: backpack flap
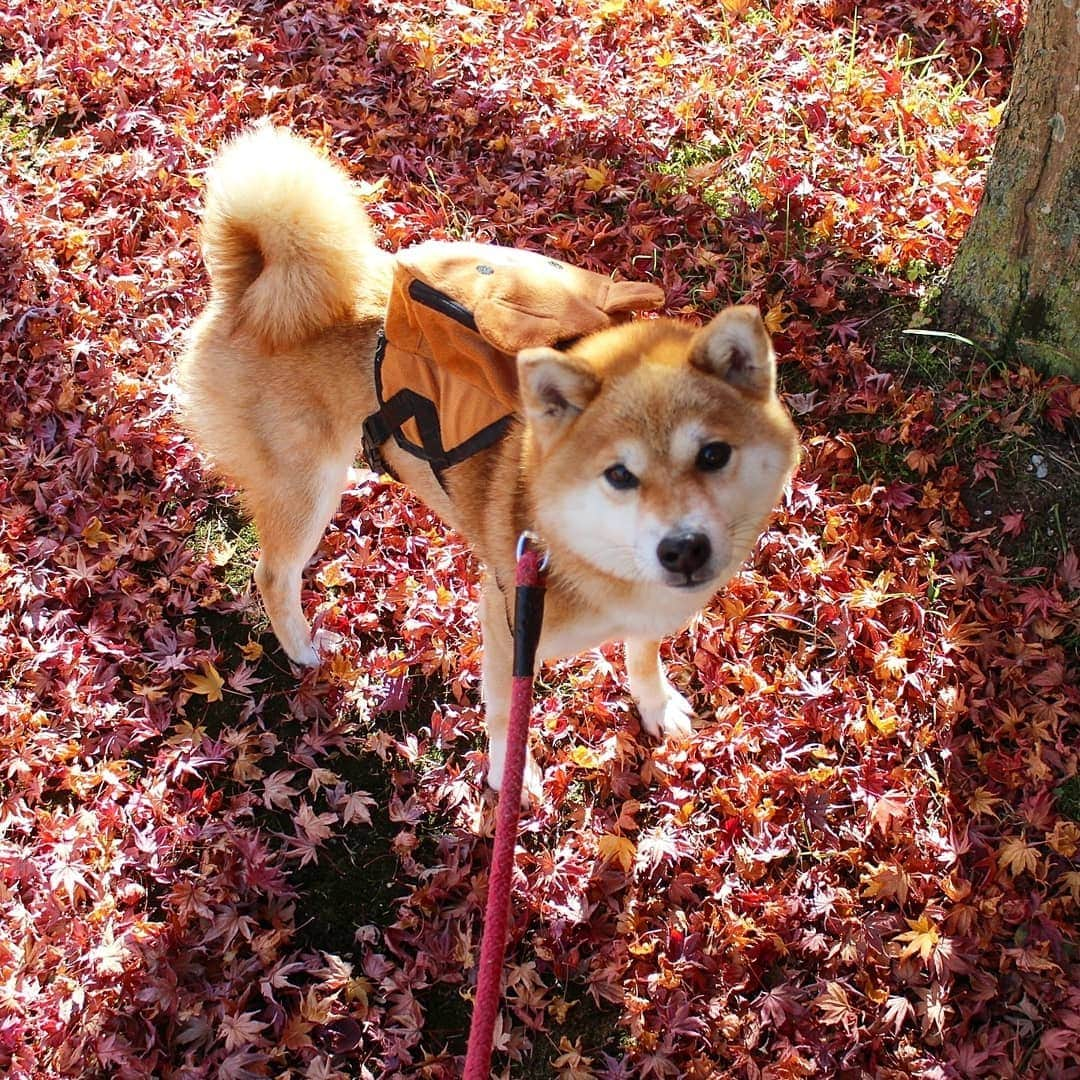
(458,315)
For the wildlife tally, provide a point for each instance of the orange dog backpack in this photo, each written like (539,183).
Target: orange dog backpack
(445,367)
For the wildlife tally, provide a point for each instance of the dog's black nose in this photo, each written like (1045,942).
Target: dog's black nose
(684,552)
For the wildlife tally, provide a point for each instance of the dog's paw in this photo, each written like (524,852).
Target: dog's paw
(532,782)
(671,718)
(302,654)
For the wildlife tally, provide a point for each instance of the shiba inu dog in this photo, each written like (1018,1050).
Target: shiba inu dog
(648,455)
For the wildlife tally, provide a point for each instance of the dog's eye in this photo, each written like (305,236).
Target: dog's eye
(713,456)
(621,478)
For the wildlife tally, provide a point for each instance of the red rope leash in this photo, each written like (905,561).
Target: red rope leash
(528,617)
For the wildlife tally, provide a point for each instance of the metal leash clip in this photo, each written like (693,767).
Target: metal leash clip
(529,540)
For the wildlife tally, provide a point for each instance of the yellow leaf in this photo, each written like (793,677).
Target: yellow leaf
(775,318)
(982,802)
(885,722)
(94,534)
(885,881)
(148,691)
(1065,838)
(618,849)
(922,938)
(585,756)
(333,575)
(609,9)
(598,178)
(208,683)
(1016,857)
(358,989)
(252,651)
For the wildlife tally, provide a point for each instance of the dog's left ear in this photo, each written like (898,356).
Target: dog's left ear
(555,387)
(736,347)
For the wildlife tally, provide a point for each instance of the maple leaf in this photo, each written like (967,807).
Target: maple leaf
(836,1007)
(1071,878)
(93,533)
(276,790)
(1061,1044)
(982,802)
(355,807)
(617,849)
(1064,838)
(1018,857)
(252,651)
(897,1012)
(242,679)
(240,1030)
(315,827)
(657,845)
(922,938)
(572,1063)
(208,683)
(1012,524)
(922,461)
(932,1006)
(887,880)
(888,809)
(1069,569)
(109,956)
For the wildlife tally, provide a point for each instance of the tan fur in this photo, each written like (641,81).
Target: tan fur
(276,381)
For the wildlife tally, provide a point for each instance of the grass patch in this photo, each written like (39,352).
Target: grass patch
(1038,467)
(447,1016)
(355,881)
(694,165)
(1068,798)
(230,541)
(17,135)
(587,1027)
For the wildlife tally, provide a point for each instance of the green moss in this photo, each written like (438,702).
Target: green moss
(447,1016)
(226,531)
(1068,798)
(17,135)
(356,880)
(682,157)
(593,1028)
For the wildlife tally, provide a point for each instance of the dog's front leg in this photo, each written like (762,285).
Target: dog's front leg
(496,681)
(664,711)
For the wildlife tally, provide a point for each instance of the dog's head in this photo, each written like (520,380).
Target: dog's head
(658,450)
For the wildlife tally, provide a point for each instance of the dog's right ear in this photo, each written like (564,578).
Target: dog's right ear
(555,387)
(736,347)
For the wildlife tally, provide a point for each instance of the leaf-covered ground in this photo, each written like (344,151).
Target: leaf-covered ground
(866,864)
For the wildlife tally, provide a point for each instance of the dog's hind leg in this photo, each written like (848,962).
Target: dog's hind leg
(291,521)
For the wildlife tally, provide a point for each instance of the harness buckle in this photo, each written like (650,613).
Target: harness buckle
(371,443)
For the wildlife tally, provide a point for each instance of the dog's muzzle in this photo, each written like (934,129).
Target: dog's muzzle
(685,557)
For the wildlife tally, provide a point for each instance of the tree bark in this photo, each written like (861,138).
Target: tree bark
(1015,283)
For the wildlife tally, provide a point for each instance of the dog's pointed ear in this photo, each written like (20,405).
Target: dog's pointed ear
(736,347)
(555,387)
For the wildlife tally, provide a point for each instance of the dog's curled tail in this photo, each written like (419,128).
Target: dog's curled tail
(284,236)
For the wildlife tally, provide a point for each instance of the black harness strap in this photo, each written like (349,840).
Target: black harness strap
(387,423)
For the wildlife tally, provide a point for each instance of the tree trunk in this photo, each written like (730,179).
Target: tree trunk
(1015,283)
